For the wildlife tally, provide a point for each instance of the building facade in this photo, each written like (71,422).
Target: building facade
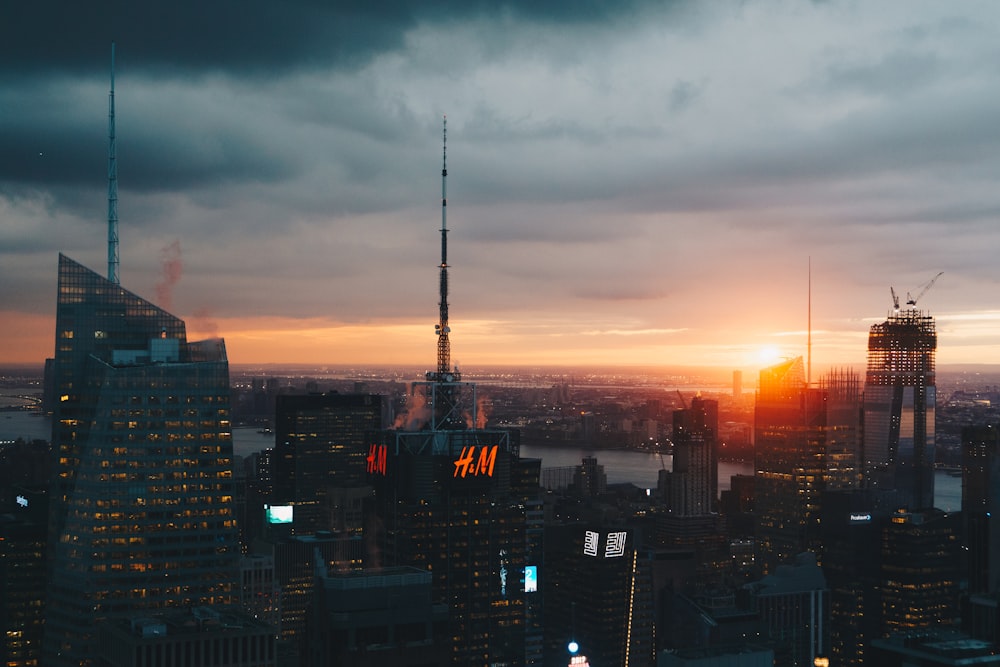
(899,406)
(141,505)
(321,442)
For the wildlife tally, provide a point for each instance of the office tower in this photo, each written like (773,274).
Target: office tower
(260,590)
(852,528)
(295,559)
(141,511)
(321,442)
(980,503)
(377,618)
(448,502)
(899,402)
(921,570)
(807,441)
(589,478)
(794,607)
(598,592)
(788,463)
(22,588)
(199,636)
(694,484)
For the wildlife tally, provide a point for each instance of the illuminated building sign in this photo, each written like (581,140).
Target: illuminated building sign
(531,579)
(278,513)
(376,461)
(469,464)
(22,501)
(861,518)
(614,547)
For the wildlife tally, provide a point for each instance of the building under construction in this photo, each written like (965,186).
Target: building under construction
(899,404)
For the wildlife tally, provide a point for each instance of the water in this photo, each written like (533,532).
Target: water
(28,425)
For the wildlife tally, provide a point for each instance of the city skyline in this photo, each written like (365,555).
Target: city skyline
(636,185)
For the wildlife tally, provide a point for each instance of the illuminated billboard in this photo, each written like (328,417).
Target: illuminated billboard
(278,513)
(614,546)
(531,579)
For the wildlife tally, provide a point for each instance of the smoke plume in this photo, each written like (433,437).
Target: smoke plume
(170,274)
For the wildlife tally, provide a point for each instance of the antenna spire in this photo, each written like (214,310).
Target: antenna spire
(112,181)
(444,346)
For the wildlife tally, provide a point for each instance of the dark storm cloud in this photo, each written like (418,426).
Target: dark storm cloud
(250,36)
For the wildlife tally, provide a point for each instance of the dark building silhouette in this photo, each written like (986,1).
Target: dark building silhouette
(448,501)
(789,464)
(921,565)
(807,441)
(599,593)
(852,529)
(980,503)
(377,618)
(694,485)
(141,503)
(794,608)
(186,637)
(22,587)
(899,406)
(321,443)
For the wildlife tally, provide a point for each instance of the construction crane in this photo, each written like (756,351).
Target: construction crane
(895,298)
(912,300)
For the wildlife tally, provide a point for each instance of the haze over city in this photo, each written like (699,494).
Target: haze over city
(638,183)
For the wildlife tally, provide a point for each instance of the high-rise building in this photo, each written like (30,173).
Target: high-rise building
(598,593)
(899,406)
(789,463)
(794,607)
(695,482)
(921,571)
(806,442)
(321,443)
(448,502)
(980,503)
(141,502)
(22,587)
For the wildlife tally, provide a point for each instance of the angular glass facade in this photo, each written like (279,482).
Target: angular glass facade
(142,508)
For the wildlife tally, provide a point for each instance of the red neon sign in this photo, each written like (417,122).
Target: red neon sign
(468,464)
(376,460)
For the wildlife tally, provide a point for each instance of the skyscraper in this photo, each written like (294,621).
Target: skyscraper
(789,463)
(980,503)
(899,402)
(450,500)
(141,502)
(320,449)
(694,485)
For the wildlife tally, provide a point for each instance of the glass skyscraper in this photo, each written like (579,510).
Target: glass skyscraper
(141,500)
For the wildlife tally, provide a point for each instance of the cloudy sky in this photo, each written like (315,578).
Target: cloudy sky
(629,182)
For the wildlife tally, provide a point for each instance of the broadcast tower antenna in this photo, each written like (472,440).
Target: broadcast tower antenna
(444,371)
(112,181)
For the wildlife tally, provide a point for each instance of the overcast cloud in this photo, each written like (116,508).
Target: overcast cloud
(659,174)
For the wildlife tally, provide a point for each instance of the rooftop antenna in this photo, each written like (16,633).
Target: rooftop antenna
(809,328)
(444,371)
(445,380)
(112,181)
